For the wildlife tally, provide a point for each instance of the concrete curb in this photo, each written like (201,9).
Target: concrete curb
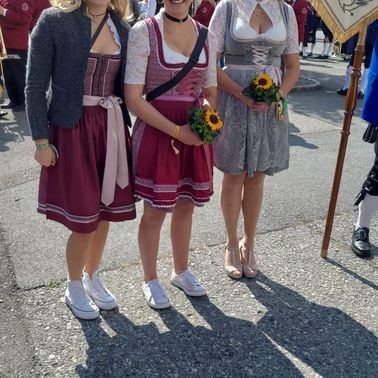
(306,84)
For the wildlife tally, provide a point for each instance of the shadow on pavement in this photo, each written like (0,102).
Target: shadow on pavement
(354,274)
(13,129)
(325,339)
(231,346)
(297,140)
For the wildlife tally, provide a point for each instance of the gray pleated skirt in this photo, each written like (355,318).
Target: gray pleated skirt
(250,141)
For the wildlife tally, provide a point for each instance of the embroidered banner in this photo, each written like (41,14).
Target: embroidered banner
(346,17)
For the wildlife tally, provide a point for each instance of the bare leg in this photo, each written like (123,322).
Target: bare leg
(251,205)
(231,197)
(96,248)
(181,228)
(76,253)
(148,238)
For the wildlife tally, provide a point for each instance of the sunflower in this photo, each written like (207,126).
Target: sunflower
(213,120)
(263,81)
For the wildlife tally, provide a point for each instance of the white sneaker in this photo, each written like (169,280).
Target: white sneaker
(100,295)
(187,282)
(79,302)
(155,294)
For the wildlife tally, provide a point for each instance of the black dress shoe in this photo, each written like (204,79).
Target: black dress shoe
(360,95)
(342,91)
(360,242)
(3,114)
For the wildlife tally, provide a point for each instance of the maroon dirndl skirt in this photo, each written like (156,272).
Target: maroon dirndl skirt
(70,192)
(161,177)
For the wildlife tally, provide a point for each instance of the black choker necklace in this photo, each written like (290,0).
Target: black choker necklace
(174,19)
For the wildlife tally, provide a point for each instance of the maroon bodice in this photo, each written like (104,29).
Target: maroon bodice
(159,71)
(102,70)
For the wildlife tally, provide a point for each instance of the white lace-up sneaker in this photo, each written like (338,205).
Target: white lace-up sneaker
(155,294)
(79,302)
(100,295)
(187,282)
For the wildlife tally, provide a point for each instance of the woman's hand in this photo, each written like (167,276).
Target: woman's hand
(187,136)
(256,106)
(45,157)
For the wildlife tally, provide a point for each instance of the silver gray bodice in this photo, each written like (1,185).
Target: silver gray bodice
(259,52)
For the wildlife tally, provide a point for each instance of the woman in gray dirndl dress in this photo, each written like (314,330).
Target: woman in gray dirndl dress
(253,36)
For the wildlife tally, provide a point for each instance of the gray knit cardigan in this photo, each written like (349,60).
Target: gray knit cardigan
(59,51)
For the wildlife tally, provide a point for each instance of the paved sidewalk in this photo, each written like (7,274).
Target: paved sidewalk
(302,316)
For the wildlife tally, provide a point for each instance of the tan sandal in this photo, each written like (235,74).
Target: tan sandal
(248,260)
(232,263)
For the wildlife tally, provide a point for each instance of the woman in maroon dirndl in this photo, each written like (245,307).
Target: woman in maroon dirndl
(85,152)
(172,168)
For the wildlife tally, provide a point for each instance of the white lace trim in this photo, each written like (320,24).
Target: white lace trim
(113,29)
(138,50)
(242,11)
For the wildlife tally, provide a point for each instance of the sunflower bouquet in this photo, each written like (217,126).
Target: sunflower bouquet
(205,123)
(262,89)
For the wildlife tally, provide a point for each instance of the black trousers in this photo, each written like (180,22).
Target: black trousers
(370,185)
(15,75)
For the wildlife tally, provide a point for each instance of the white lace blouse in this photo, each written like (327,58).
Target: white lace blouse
(242,12)
(138,50)
(113,29)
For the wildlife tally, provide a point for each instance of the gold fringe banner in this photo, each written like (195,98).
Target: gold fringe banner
(323,8)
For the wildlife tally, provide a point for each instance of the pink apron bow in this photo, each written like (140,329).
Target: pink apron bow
(116,165)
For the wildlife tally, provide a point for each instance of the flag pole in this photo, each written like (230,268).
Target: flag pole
(350,106)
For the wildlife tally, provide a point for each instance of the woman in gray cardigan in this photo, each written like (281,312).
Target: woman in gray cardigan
(82,141)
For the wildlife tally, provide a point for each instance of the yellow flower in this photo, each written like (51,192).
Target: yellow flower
(213,120)
(263,81)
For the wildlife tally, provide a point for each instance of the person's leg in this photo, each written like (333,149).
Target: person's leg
(75,296)
(20,78)
(252,201)
(231,197)
(76,254)
(10,78)
(103,298)
(148,238)
(181,228)
(367,202)
(231,200)
(96,248)
(366,211)
(364,79)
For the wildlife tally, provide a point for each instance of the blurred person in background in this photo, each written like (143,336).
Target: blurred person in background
(15,21)
(38,7)
(327,42)
(204,11)
(300,9)
(371,35)
(367,199)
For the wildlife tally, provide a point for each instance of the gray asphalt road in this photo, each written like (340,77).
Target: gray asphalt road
(32,250)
